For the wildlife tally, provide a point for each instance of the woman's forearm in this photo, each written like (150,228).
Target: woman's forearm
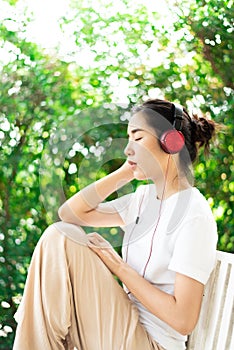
(180,311)
(87,200)
(176,311)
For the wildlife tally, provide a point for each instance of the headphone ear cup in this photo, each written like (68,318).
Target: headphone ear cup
(172,141)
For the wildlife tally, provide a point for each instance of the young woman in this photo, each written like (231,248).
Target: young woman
(71,298)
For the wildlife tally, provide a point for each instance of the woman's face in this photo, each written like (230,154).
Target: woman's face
(144,154)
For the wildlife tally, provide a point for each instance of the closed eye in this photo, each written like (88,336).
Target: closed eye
(138,139)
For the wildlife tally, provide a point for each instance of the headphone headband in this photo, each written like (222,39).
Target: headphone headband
(178,116)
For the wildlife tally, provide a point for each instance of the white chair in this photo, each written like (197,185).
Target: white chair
(215,327)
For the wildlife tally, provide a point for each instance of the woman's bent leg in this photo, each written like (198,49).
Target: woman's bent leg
(72,300)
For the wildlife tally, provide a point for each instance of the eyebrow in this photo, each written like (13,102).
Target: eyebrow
(133,131)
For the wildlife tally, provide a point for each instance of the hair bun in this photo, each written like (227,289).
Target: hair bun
(202,131)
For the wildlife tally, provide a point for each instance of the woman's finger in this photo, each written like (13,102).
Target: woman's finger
(98,240)
(95,234)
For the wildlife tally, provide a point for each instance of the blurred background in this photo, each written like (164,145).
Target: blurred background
(70,71)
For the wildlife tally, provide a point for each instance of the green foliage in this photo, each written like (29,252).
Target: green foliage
(207,29)
(32,101)
(61,128)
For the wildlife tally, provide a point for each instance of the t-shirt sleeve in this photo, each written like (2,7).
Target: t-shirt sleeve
(121,205)
(126,206)
(195,249)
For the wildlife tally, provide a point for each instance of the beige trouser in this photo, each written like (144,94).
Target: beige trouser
(71,300)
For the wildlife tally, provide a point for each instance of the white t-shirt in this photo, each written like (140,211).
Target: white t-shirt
(184,241)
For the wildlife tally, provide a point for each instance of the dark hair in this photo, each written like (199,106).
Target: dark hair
(197,131)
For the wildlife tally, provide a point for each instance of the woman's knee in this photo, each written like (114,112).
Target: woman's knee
(64,229)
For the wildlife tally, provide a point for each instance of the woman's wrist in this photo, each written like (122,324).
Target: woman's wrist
(122,270)
(126,172)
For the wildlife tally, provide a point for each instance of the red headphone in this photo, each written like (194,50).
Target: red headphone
(172,141)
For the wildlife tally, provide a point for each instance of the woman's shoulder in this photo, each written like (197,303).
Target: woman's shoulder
(199,198)
(198,205)
(189,204)
(191,210)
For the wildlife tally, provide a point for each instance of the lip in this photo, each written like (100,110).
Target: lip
(132,164)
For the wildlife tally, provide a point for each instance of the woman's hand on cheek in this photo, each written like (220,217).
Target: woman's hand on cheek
(105,251)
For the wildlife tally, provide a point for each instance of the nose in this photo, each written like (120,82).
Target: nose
(128,151)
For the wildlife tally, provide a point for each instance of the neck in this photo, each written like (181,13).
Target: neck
(171,182)
(164,192)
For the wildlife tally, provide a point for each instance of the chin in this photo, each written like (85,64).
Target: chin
(140,176)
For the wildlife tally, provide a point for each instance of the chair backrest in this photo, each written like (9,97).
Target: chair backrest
(215,327)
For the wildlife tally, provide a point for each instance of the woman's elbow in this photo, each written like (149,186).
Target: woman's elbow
(186,327)
(185,331)
(62,213)
(65,214)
